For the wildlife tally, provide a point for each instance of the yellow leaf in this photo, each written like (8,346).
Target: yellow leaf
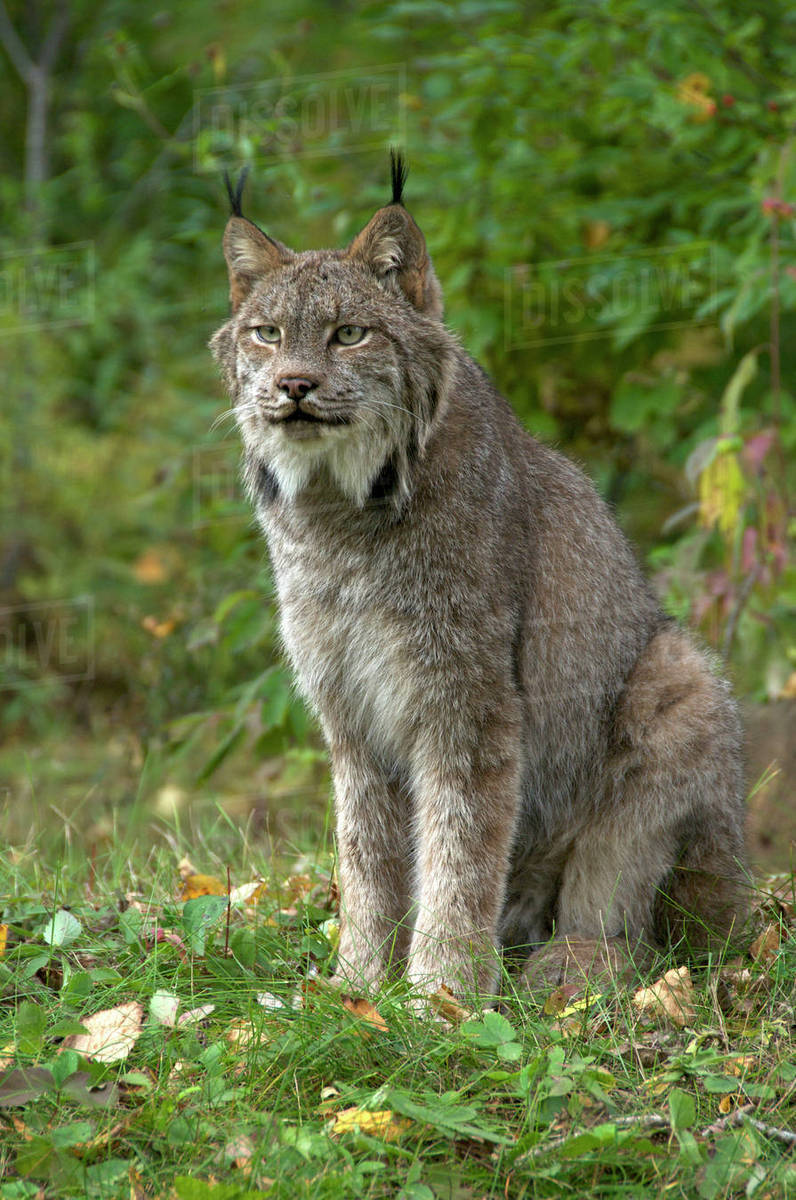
(693,91)
(671,996)
(725,1104)
(3,939)
(721,491)
(383,1124)
(202,885)
(159,629)
(150,567)
(364,1010)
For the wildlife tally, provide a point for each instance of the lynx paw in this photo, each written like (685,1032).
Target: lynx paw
(583,963)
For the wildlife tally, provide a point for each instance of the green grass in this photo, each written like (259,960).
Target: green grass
(536,1099)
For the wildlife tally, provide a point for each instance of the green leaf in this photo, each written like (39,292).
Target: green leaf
(199,916)
(30,1025)
(682,1109)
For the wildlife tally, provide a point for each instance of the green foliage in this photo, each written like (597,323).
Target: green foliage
(607,192)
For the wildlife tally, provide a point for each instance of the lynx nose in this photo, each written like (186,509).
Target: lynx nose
(296,387)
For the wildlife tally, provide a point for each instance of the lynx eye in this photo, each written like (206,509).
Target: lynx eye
(349,335)
(270,334)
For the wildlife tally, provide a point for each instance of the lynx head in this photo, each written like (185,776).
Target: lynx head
(336,360)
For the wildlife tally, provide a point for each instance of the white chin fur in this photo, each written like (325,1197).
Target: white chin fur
(351,456)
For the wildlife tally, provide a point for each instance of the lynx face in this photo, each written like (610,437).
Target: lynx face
(333,358)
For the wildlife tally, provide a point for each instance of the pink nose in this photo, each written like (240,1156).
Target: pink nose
(296,386)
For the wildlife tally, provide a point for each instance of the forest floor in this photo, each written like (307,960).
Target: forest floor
(165,1029)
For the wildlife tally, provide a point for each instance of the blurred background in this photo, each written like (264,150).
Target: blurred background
(608,192)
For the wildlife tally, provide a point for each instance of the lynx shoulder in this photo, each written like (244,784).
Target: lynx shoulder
(523,747)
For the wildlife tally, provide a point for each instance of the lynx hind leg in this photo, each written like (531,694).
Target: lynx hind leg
(663,858)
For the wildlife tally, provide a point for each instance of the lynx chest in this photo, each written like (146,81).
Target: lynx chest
(353,650)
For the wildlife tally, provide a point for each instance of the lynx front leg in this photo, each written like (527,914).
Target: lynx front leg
(466,808)
(374,859)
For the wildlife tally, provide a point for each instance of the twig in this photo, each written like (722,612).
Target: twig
(744,593)
(740,1117)
(229,906)
(650,1121)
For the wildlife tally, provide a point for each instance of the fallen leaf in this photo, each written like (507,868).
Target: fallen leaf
(201,885)
(297,886)
(559,998)
(671,996)
(163,1008)
(271,1002)
(111,1033)
(240,1150)
(193,1015)
(249,893)
(159,629)
(445,1004)
(364,1010)
(765,948)
(383,1124)
(3,939)
(150,567)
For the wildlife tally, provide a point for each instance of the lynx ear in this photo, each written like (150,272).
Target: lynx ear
(250,254)
(393,247)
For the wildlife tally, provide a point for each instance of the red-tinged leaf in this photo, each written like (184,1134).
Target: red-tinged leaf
(23,1084)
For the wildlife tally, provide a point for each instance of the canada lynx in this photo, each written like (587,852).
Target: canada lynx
(522,744)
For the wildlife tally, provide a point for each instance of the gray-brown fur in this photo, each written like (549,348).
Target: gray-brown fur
(522,744)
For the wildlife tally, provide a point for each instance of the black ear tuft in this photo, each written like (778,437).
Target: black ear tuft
(398,174)
(236,194)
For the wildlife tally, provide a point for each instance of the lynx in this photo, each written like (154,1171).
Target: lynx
(523,746)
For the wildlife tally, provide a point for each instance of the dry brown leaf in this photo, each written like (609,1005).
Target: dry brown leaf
(559,999)
(776,896)
(739,1064)
(671,996)
(383,1124)
(765,948)
(240,1150)
(297,886)
(111,1033)
(445,1004)
(201,885)
(362,1008)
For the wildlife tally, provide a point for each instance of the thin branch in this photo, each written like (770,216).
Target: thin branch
(55,33)
(12,44)
(744,593)
(740,1117)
